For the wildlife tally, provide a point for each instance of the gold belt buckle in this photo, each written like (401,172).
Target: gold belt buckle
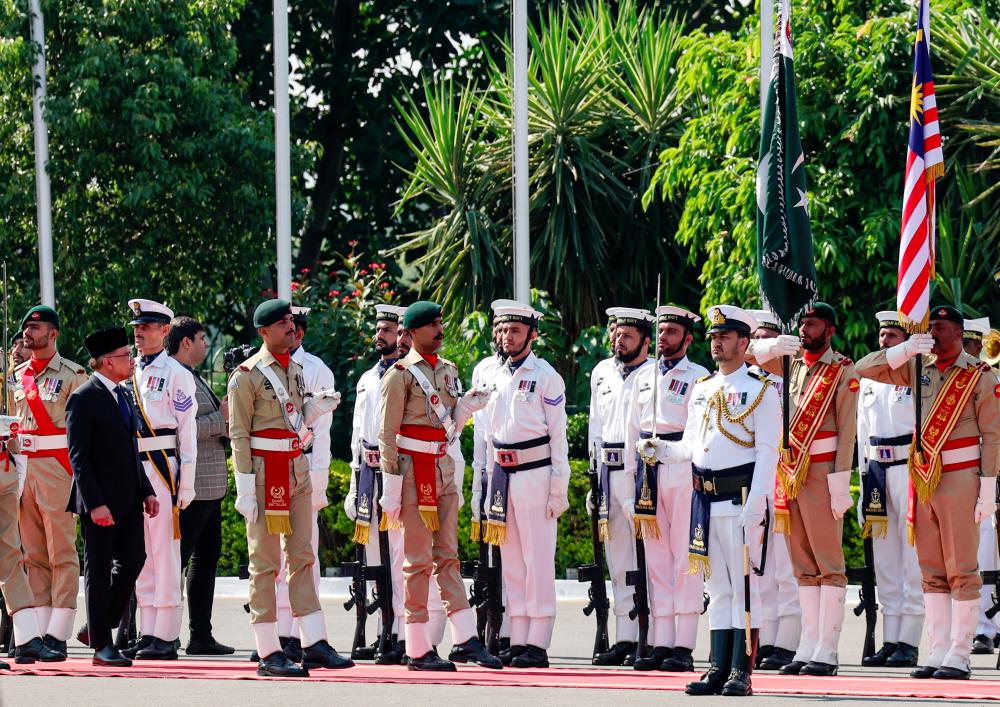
(708,486)
(507,457)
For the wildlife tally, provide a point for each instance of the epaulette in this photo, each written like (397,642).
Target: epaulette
(705,378)
(756,376)
(843,359)
(75,367)
(399,366)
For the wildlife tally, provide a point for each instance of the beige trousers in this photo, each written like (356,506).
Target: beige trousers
(815,542)
(48,534)
(948,537)
(13,581)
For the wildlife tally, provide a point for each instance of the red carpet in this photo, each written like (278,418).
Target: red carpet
(982,690)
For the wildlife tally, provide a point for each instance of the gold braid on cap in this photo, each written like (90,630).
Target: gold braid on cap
(718,403)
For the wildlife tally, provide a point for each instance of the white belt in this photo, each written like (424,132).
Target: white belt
(151,444)
(265,444)
(409,444)
(517,457)
(613,456)
(887,454)
(42,443)
(962,455)
(824,445)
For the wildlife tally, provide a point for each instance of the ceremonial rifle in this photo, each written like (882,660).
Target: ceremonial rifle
(993,577)
(865,575)
(594,573)
(482,576)
(494,602)
(7,428)
(360,573)
(383,586)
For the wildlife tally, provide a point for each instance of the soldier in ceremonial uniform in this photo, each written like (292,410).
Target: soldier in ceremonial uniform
(731,439)
(781,617)
(268,416)
(422,410)
(366,472)
(164,393)
(41,386)
(953,479)
(597,375)
(885,430)
(664,514)
(610,405)
(815,478)
(526,431)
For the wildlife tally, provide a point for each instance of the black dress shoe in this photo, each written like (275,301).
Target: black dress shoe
(83,635)
(996,641)
(905,656)
(881,655)
(738,684)
(109,656)
(762,652)
(617,655)
(393,656)
(503,643)
(430,661)
(714,680)
(680,661)
(793,668)
(629,661)
(779,658)
(210,647)
(814,667)
(277,665)
(292,647)
(982,645)
(474,651)
(322,655)
(923,672)
(654,659)
(157,650)
(532,657)
(143,642)
(54,644)
(946,673)
(36,650)
(4,666)
(510,652)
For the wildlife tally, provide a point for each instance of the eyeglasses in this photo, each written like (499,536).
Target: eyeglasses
(129,354)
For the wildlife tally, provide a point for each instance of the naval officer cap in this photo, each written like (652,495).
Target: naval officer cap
(508,310)
(270,312)
(889,318)
(947,313)
(41,313)
(389,313)
(641,319)
(104,341)
(146,311)
(765,319)
(821,310)
(420,314)
(671,313)
(976,329)
(725,317)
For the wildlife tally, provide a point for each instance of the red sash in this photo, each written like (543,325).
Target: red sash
(43,422)
(425,471)
(277,484)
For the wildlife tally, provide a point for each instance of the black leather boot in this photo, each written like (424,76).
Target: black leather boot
(292,647)
(54,644)
(322,655)
(654,659)
(905,656)
(762,652)
(430,661)
(532,657)
(510,652)
(679,661)
(738,684)
(616,655)
(131,651)
(473,650)
(157,650)
(714,680)
(277,665)
(878,660)
(779,658)
(393,656)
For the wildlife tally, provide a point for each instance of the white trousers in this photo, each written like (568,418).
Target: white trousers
(988,560)
(158,588)
(897,570)
(726,609)
(619,552)
(672,590)
(779,592)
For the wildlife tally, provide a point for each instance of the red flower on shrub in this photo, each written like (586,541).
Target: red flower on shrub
(384,285)
(363,272)
(295,286)
(304,271)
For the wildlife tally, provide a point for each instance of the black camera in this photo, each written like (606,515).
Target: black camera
(232,358)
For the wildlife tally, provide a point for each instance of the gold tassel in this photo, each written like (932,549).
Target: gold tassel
(177,523)
(792,483)
(924,489)
(496,533)
(782,522)
(384,524)
(278,524)
(646,528)
(786,454)
(474,531)
(875,528)
(360,536)
(911,534)
(602,529)
(430,518)
(699,564)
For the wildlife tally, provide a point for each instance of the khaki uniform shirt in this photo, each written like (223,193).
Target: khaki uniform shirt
(404,403)
(979,418)
(253,406)
(842,414)
(56,382)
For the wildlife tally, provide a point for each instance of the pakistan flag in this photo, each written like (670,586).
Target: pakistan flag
(784,242)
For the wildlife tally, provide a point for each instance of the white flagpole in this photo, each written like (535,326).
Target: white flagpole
(522,246)
(282,166)
(766,49)
(43,194)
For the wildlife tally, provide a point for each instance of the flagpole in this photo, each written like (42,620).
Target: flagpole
(43,194)
(522,245)
(766,49)
(282,162)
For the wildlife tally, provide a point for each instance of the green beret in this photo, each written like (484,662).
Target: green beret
(270,311)
(948,313)
(41,313)
(421,314)
(821,310)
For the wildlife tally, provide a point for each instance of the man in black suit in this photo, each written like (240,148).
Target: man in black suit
(110,489)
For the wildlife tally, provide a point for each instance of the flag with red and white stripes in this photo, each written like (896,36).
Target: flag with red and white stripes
(924,164)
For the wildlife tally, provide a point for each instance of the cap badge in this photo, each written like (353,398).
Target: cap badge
(36,315)
(137,308)
(942,313)
(718,318)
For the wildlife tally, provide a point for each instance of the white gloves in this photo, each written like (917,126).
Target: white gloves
(246,496)
(753,511)
(558,502)
(839,484)
(917,344)
(320,403)
(392,497)
(628,508)
(665,452)
(589,502)
(21,462)
(783,345)
(468,405)
(318,481)
(350,502)
(185,490)
(459,481)
(986,504)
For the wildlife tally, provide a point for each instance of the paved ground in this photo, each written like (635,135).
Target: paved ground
(572,642)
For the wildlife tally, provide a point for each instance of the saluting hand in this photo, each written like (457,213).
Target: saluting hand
(151,506)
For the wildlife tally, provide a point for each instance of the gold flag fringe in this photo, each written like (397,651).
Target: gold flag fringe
(278,523)
(782,521)
(177,523)
(360,536)
(791,483)
(699,564)
(911,534)
(474,531)
(430,518)
(917,463)
(602,529)
(384,524)
(646,528)
(875,528)
(496,533)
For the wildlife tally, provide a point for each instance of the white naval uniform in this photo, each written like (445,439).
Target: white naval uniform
(676,596)
(527,403)
(316,376)
(610,407)
(707,448)
(886,411)
(166,395)
(781,614)
(989,559)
